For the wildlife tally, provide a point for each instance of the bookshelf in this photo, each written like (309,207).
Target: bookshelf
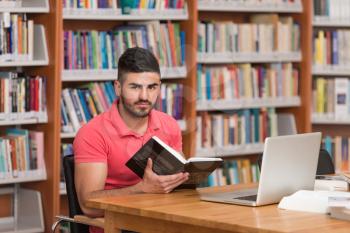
(106,19)
(34,193)
(48,55)
(330,72)
(298,106)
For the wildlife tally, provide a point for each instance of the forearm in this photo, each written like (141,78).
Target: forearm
(134,189)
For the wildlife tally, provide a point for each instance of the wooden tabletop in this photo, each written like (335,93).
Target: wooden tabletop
(185,207)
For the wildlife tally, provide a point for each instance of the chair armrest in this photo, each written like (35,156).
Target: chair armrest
(97,222)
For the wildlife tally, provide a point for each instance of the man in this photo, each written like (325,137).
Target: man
(105,144)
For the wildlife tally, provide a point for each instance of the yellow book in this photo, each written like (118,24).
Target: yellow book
(320,87)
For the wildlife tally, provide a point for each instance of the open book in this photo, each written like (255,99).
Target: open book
(167,161)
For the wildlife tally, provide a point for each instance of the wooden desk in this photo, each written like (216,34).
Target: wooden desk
(182,211)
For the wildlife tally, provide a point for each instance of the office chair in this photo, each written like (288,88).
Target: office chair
(79,223)
(324,166)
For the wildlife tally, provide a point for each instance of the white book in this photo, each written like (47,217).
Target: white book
(70,109)
(30,40)
(199,132)
(310,201)
(341,98)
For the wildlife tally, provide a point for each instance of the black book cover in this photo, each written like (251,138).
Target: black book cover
(166,163)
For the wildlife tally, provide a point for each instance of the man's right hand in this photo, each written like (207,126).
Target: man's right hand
(153,183)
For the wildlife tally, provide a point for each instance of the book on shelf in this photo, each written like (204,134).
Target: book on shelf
(238,171)
(246,126)
(339,148)
(167,161)
(22,151)
(235,82)
(126,5)
(21,93)
(260,35)
(331,98)
(101,49)
(80,105)
(170,100)
(17,37)
(332,9)
(330,46)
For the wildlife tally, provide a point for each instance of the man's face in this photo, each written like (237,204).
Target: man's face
(138,93)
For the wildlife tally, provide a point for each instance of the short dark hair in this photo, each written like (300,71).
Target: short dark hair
(137,60)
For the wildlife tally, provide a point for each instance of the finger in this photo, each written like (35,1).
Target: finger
(171,178)
(175,182)
(170,188)
(149,166)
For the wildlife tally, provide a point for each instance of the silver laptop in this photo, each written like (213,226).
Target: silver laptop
(289,164)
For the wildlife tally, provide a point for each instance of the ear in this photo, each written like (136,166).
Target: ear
(117,87)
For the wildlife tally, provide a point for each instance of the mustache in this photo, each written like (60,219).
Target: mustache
(143,102)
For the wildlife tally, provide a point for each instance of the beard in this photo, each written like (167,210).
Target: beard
(133,110)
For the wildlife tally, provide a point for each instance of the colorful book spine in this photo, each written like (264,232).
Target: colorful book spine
(102,49)
(21,151)
(262,34)
(240,171)
(338,148)
(244,127)
(20,93)
(80,105)
(236,82)
(170,100)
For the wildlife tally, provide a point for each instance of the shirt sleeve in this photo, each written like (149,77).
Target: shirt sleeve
(89,146)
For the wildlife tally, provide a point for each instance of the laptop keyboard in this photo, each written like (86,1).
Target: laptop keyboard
(248,198)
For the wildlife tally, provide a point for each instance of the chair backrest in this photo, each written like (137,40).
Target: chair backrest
(324,166)
(73,203)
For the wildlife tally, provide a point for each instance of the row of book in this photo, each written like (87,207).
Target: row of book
(21,93)
(246,81)
(250,2)
(330,47)
(331,97)
(264,34)
(240,171)
(132,4)
(20,152)
(332,9)
(16,37)
(241,127)
(79,105)
(339,148)
(170,100)
(102,49)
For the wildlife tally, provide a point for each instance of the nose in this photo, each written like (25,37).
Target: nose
(144,93)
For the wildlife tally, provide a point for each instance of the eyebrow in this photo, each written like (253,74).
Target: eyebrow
(140,85)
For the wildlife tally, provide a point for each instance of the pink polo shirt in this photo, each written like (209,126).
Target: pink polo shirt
(107,139)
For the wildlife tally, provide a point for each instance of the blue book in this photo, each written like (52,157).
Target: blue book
(106,93)
(207,84)
(246,114)
(111,90)
(256,113)
(335,47)
(85,108)
(199,82)
(182,43)
(235,172)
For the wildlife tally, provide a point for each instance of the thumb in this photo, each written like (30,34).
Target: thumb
(149,165)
